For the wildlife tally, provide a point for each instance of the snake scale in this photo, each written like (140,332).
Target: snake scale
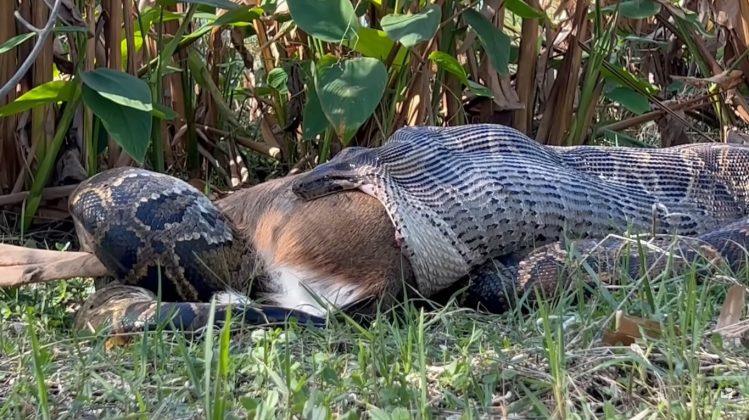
(481,203)
(158,234)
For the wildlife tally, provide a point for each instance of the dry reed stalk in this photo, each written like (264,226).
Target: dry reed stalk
(525,82)
(9,153)
(42,117)
(559,111)
(88,65)
(113,55)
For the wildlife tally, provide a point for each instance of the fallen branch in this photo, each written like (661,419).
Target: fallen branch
(693,103)
(20,266)
(50,193)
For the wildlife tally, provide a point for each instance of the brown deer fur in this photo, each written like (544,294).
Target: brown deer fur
(345,238)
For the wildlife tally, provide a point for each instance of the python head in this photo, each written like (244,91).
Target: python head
(350,169)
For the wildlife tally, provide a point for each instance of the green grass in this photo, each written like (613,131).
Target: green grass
(446,363)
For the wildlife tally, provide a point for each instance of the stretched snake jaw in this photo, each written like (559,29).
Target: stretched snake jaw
(346,171)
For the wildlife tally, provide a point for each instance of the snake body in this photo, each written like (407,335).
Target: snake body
(480,202)
(460,196)
(158,234)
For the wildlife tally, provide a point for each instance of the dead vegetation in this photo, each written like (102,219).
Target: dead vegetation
(243,90)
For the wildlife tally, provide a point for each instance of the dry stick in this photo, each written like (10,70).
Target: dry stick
(652,115)
(263,148)
(43,35)
(20,266)
(50,193)
(657,102)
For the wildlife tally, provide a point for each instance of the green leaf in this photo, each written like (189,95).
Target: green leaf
(636,9)
(15,41)
(71,29)
(410,30)
(644,40)
(137,44)
(621,77)
(129,127)
(236,18)
(522,9)
(163,112)
(629,99)
(479,89)
(277,79)
(374,43)
(47,93)
(244,15)
(119,87)
(326,20)
(451,65)
(313,119)
(495,42)
(349,92)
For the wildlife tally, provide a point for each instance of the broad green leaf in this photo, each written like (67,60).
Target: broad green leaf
(236,18)
(451,65)
(327,20)
(479,89)
(119,87)
(15,41)
(277,79)
(349,92)
(327,60)
(243,14)
(522,9)
(629,99)
(374,43)
(154,15)
(635,9)
(620,76)
(495,42)
(313,119)
(163,112)
(137,43)
(47,93)
(129,127)
(410,30)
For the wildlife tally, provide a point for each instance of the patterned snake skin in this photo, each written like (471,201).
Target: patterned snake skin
(461,197)
(481,202)
(159,233)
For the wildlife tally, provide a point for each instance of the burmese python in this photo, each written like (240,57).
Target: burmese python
(460,198)
(161,234)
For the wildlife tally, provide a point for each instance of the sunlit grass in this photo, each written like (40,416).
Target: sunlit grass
(412,363)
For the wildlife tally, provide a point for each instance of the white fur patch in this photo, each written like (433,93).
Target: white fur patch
(290,291)
(230,297)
